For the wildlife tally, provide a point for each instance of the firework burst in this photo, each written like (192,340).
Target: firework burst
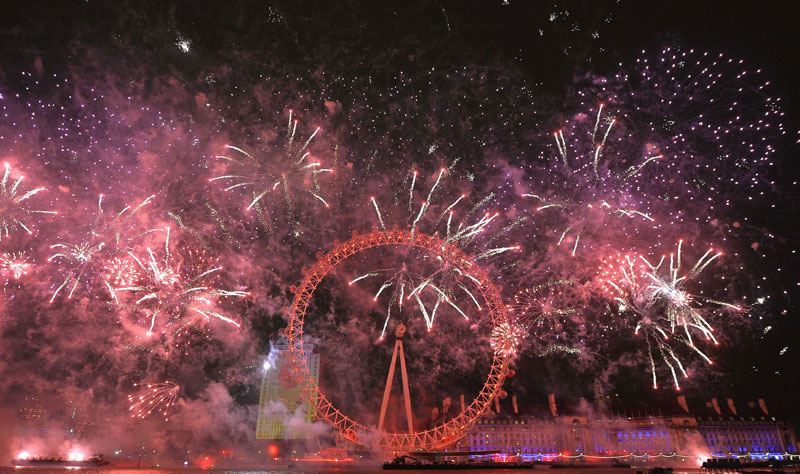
(177,287)
(597,171)
(439,283)
(712,115)
(287,169)
(542,306)
(663,308)
(15,263)
(669,287)
(121,272)
(620,274)
(85,261)
(15,210)
(506,338)
(156,397)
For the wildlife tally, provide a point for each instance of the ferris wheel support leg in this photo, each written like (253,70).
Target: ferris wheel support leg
(406,396)
(388,388)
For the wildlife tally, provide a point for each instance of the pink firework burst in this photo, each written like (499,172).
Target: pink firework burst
(177,287)
(15,263)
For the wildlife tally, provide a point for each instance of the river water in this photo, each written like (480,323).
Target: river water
(365,470)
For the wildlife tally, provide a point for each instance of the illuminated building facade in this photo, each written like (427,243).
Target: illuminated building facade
(745,431)
(543,439)
(668,432)
(281,396)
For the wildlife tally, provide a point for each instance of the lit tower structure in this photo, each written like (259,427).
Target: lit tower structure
(279,387)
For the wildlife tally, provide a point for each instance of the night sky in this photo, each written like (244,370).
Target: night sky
(415,104)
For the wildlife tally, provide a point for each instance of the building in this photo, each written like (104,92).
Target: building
(745,431)
(667,432)
(281,395)
(31,409)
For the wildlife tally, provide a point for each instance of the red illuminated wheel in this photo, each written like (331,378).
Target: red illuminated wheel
(434,438)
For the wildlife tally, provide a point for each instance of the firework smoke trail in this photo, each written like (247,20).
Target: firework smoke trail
(663,309)
(156,397)
(14,204)
(15,263)
(444,284)
(290,167)
(108,237)
(559,348)
(177,287)
(589,175)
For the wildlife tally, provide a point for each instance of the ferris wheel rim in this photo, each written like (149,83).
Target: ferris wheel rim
(433,438)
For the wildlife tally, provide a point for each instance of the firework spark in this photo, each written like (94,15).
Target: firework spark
(714,117)
(106,240)
(664,309)
(440,284)
(156,397)
(506,338)
(598,178)
(15,263)
(290,167)
(15,207)
(177,287)
(542,306)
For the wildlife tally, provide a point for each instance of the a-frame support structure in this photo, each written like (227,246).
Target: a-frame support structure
(398,347)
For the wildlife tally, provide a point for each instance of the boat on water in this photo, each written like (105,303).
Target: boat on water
(409,463)
(617,465)
(39,461)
